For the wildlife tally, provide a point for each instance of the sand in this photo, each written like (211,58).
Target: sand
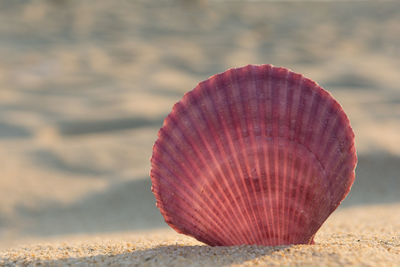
(360,236)
(85,88)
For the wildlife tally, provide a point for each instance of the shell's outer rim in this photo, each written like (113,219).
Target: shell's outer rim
(324,93)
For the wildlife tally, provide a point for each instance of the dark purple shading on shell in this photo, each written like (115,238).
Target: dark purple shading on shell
(255,155)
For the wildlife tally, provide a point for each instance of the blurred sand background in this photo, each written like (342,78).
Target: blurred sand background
(85,86)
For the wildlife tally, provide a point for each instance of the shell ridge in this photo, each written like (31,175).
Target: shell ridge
(274,94)
(292,177)
(332,124)
(343,161)
(282,75)
(256,139)
(230,170)
(287,111)
(254,118)
(231,148)
(293,106)
(179,215)
(292,219)
(301,172)
(242,132)
(329,140)
(268,134)
(262,160)
(295,103)
(338,133)
(297,129)
(335,203)
(336,166)
(329,124)
(308,110)
(269,153)
(314,109)
(243,95)
(339,155)
(220,220)
(315,159)
(274,149)
(225,153)
(312,153)
(319,132)
(180,188)
(304,170)
(342,173)
(211,155)
(308,107)
(308,176)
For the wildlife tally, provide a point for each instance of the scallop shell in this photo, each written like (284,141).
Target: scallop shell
(255,155)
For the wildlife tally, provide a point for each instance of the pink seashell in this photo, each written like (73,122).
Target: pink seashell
(255,155)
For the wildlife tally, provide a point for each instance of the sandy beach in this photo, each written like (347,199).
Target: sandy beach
(359,236)
(84,89)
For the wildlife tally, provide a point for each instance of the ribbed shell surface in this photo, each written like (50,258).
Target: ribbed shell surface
(254,155)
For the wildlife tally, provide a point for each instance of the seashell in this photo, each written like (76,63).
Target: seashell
(255,155)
